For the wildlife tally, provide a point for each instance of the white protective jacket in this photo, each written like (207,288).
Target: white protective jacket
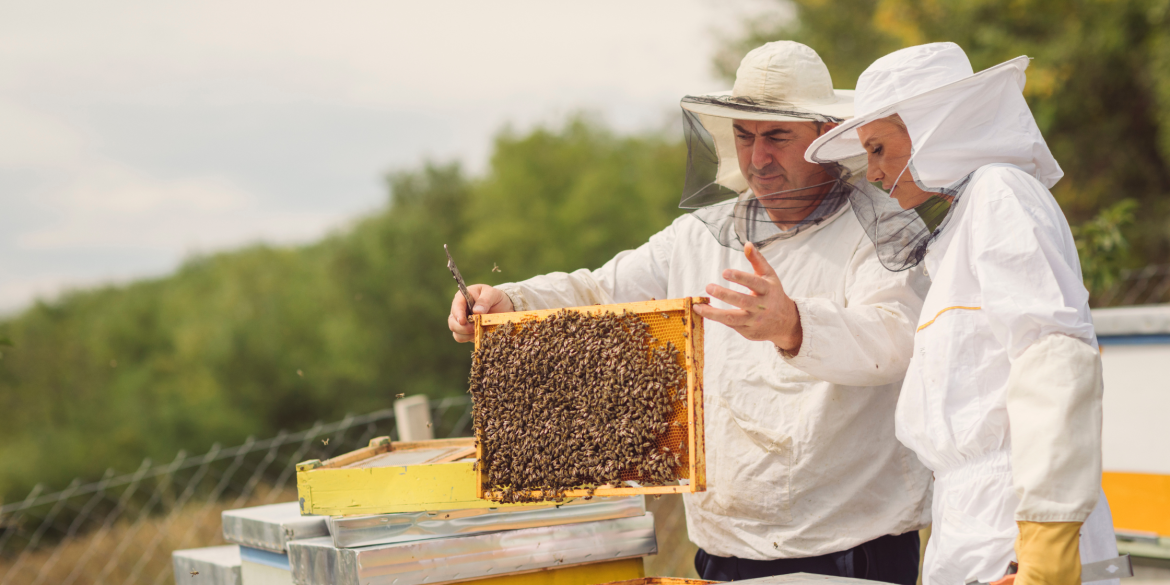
(1003,396)
(801,454)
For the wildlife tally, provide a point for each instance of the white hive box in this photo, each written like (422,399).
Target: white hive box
(468,558)
(263,533)
(214,565)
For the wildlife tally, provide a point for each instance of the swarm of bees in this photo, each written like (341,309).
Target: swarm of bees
(574,401)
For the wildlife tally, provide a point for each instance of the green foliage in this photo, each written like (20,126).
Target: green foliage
(1099,83)
(252,341)
(1102,245)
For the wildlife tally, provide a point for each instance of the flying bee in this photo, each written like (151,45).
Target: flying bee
(403,395)
(325,441)
(193,573)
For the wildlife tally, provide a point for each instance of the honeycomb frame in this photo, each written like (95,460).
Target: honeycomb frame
(670,320)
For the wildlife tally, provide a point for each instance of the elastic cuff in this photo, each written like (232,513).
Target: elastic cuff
(808,345)
(519,303)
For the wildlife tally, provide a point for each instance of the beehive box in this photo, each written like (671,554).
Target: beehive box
(669,321)
(662,581)
(388,477)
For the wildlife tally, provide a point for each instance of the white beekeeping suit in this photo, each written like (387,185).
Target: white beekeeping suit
(801,455)
(1003,396)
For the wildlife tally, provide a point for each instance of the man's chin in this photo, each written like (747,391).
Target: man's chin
(764,189)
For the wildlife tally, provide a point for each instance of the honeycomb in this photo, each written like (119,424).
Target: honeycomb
(666,326)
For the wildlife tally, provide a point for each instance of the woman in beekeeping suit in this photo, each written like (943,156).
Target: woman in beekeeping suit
(1003,396)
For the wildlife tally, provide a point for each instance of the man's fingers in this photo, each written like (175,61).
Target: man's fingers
(462,333)
(757,260)
(732,298)
(757,284)
(731,318)
(459,308)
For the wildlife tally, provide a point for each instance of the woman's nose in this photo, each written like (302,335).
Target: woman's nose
(872,173)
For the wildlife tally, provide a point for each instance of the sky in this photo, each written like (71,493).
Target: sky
(134,135)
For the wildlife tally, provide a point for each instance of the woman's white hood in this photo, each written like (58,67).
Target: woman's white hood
(958,120)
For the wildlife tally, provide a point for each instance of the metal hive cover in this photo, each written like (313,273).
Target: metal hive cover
(214,565)
(359,531)
(271,527)
(318,562)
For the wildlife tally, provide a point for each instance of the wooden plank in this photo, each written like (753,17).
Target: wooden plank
(382,445)
(617,491)
(462,453)
(577,574)
(639,307)
(696,439)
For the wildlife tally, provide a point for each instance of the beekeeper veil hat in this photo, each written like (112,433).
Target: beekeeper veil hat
(958,121)
(783,81)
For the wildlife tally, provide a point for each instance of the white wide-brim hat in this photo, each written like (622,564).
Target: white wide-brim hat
(958,120)
(782,81)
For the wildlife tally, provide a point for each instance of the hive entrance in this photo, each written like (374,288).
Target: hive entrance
(589,401)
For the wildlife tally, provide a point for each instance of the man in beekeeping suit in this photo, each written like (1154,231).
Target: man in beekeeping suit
(802,375)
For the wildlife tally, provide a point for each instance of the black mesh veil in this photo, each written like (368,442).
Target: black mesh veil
(720,197)
(902,235)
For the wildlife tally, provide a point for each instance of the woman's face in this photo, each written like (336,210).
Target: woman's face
(888,145)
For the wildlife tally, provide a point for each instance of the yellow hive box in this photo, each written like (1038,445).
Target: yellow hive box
(670,321)
(392,477)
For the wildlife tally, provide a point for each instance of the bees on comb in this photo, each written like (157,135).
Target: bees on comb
(574,401)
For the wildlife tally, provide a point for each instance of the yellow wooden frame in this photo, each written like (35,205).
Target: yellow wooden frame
(693,361)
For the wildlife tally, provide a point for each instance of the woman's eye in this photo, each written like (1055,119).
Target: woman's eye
(877,150)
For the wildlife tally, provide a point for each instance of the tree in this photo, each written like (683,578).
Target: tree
(1099,84)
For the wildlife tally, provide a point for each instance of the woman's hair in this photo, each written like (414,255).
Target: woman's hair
(897,121)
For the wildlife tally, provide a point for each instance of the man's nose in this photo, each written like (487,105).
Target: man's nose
(760,155)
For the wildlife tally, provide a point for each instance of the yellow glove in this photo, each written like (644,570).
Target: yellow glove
(1049,553)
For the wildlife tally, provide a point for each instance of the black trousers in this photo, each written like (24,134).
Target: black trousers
(892,558)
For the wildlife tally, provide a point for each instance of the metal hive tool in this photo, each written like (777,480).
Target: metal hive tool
(669,321)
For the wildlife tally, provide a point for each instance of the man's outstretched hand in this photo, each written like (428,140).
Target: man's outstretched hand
(767,313)
(487,300)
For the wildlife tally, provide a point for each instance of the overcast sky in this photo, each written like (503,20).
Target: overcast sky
(133,134)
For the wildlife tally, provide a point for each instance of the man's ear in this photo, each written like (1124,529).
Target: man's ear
(826,127)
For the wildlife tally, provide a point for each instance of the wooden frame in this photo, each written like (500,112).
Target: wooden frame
(692,327)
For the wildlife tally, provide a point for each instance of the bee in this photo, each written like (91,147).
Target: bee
(325,441)
(300,373)
(403,395)
(496,267)
(194,573)
(428,425)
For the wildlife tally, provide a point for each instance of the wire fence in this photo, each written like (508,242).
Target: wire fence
(1146,286)
(122,528)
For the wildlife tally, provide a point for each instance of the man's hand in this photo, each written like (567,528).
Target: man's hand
(765,314)
(487,300)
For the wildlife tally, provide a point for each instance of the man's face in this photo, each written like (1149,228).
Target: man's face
(771,155)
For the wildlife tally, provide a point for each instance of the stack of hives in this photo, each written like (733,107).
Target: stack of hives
(595,401)
(575,543)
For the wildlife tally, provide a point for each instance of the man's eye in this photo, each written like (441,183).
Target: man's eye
(743,136)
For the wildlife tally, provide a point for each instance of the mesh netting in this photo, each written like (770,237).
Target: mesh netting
(900,235)
(720,197)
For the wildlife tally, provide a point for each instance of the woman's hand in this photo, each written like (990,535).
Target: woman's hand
(767,313)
